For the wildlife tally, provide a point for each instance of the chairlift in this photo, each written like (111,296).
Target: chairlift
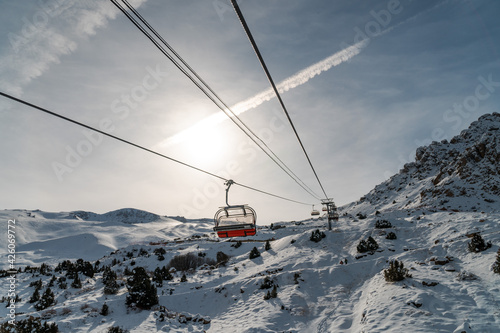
(235,220)
(314,212)
(325,209)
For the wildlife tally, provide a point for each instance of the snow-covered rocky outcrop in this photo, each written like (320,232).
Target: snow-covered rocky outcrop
(462,174)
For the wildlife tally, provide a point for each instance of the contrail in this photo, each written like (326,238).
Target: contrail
(291,82)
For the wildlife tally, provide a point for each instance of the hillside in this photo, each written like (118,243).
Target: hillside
(326,285)
(462,174)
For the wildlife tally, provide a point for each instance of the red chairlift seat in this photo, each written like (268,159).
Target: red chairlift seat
(235,221)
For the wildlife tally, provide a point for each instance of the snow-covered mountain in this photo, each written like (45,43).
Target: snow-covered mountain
(462,174)
(425,217)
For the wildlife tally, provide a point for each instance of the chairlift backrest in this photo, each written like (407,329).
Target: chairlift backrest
(235,221)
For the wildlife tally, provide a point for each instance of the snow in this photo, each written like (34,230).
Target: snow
(324,286)
(329,296)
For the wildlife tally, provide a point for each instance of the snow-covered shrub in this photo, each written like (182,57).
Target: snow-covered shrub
(237,244)
(85,268)
(185,262)
(272,294)
(496,265)
(222,258)
(116,329)
(466,276)
(368,245)
(47,299)
(267,283)
(254,253)
(317,236)
(37,284)
(184,278)
(61,282)
(391,235)
(477,244)
(36,296)
(382,224)
(31,324)
(396,271)
(159,252)
(104,310)
(141,292)
(77,284)
(111,287)
(361,216)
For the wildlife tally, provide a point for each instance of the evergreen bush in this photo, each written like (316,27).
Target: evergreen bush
(116,329)
(368,245)
(111,287)
(382,224)
(271,294)
(222,258)
(47,299)
(496,265)
(317,236)
(104,310)
(76,282)
(267,247)
(141,292)
(185,262)
(391,235)
(477,244)
(31,324)
(254,253)
(396,272)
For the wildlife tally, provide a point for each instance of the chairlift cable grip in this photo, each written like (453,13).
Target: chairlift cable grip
(228,182)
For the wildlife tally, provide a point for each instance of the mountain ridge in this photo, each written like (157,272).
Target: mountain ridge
(444,173)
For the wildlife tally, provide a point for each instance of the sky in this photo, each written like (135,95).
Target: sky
(365,84)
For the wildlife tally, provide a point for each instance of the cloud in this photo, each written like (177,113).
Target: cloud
(291,82)
(51,32)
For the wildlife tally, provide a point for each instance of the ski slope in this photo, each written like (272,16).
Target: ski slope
(323,287)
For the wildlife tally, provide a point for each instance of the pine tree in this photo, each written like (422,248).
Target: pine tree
(141,292)
(111,287)
(158,277)
(477,244)
(254,253)
(36,296)
(496,265)
(267,247)
(76,282)
(396,272)
(104,310)
(47,299)
(372,244)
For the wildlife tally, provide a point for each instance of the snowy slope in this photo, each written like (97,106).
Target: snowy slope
(462,174)
(40,236)
(325,286)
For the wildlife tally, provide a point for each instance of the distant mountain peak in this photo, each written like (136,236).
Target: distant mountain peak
(125,215)
(462,174)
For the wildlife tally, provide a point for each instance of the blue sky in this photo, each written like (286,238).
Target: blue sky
(421,71)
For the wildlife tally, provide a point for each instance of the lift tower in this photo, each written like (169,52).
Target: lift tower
(333,215)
